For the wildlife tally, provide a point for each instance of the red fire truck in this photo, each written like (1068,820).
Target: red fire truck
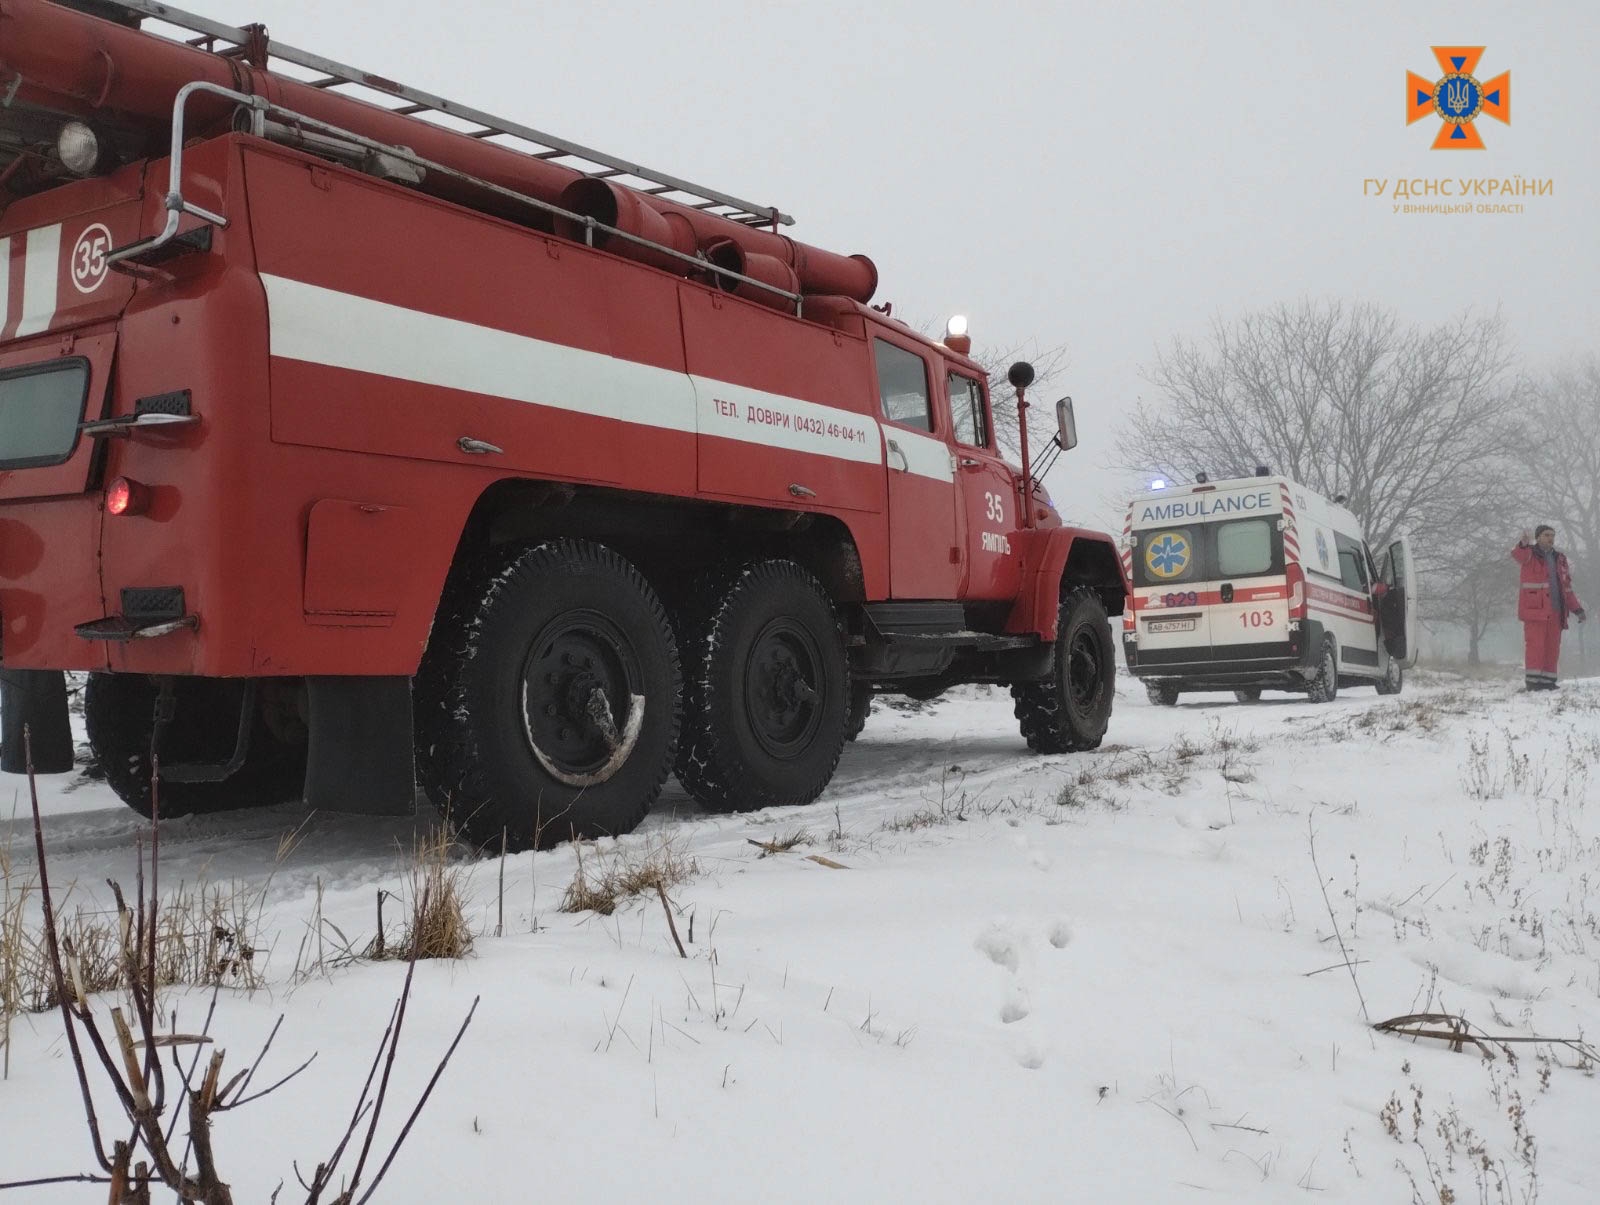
(351,438)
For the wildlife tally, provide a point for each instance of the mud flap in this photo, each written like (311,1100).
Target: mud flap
(35,699)
(360,756)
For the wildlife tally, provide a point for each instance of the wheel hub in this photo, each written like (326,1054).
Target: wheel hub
(581,704)
(1083,670)
(782,702)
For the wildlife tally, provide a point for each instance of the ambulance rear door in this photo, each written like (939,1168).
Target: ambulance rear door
(1172,622)
(1250,615)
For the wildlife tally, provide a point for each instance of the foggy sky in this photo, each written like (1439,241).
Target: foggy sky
(1099,175)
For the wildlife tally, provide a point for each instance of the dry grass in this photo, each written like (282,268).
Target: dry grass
(602,881)
(1426,715)
(209,935)
(782,843)
(206,936)
(1576,701)
(435,896)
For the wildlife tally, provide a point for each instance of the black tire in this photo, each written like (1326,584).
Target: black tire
(766,692)
(548,700)
(119,712)
(1162,694)
(860,709)
(1247,694)
(1069,711)
(923,691)
(1324,687)
(1393,680)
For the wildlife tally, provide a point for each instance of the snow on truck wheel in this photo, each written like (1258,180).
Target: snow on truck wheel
(766,691)
(1069,711)
(548,700)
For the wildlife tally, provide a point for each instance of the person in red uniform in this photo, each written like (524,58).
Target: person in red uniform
(1544,602)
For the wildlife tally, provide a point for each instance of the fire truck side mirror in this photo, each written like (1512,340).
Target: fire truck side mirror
(1066,425)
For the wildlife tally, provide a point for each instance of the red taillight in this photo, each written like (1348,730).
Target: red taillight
(127,497)
(1297,591)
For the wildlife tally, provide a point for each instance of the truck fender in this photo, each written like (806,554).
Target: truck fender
(1055,559)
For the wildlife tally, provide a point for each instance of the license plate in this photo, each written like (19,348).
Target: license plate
(1170,625)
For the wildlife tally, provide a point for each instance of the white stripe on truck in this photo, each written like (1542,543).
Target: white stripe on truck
(41,272)
(324,326)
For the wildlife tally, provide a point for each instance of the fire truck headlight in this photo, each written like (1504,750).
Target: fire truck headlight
(78,148)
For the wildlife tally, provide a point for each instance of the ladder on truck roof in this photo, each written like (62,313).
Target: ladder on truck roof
(232,42)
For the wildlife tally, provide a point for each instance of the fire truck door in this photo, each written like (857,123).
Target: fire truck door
(988,501)
(924,553)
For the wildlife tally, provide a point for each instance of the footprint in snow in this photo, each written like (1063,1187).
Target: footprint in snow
(1000,946)
(1030,1055)
(1060,934)
(1015,1008)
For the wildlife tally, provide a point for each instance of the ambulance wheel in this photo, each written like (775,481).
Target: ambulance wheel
(860,709)
(1393,680)
(767,689)
(1069,711)
(1247,694)
(1162,694)
(548,699)
(119,712)
(1324,688)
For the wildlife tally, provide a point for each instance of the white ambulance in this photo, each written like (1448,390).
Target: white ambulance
(1259,584)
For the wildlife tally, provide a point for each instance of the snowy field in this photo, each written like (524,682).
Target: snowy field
(1111,977)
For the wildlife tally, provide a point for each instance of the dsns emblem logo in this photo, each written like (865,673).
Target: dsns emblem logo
(1457,98)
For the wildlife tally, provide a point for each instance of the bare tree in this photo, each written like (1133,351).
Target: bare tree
(1343,397)
(1049,366)
(1558,465)
(1474,582)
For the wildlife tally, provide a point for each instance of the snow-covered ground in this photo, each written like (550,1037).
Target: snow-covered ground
(1111,977)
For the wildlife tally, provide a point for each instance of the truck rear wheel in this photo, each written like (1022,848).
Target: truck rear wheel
(548,698)
(119,712)
(767,690)
(1069,711)
(1247,694)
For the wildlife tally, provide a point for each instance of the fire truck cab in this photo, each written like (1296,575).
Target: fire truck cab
(348,450)
(1260,583)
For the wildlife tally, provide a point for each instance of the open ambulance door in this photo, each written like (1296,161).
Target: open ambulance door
(1400,603)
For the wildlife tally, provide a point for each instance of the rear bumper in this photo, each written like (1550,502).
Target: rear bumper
(1289,663)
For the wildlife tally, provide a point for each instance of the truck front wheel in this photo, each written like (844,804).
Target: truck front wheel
(766,691)
(548,700)
(1070,710)
(119,713)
